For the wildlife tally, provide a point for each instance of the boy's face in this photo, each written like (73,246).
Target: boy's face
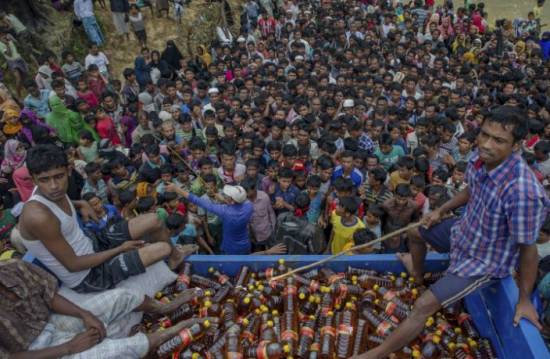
(96,205)
(285,183)
(386,149)
(458,176)
(312,191)
(275,155)
(339,211)
(166,177)
(183,177)
(401,201)
(191,207)
(206,169)
(173,203)
(300,181)
(197,154)
(96,176)
(464,145)
(446,136)
(415,190)
(405,173)
(371,219)
(210,188)
(83,142)
(252,171)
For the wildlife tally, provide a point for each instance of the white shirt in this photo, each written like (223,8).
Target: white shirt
(100,60)
(83,8)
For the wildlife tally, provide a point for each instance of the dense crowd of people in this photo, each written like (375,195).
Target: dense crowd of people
(320,126)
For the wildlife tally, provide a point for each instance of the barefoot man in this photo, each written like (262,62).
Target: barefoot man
(50,231)
(505,209)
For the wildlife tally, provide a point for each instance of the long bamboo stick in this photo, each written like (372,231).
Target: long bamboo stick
(360,246)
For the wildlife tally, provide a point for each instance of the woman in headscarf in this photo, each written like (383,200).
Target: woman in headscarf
(171,54)
(127,125)
(7,102)
(162,66)
(477,21)
(33,131)
(12,126)
(143,71)
(23,183)
(14,156)
(67,123)
(204,56)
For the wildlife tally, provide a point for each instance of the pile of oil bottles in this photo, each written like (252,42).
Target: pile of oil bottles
(317,314)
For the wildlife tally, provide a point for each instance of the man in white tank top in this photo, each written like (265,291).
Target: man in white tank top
(50,231)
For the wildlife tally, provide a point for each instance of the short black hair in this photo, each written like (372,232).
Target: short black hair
(376,210)
(286,173)
(342,184)
(144,204)
(302,200)
(91,168)
(45,157)
(174,221)
(403,190)
(209,178)
(314,181)
(89,195)
(248,184)
(126,197)
(510,116)
(362,236)
(379,174)
(349,204)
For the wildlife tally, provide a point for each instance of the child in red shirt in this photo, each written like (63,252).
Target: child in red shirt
(105,127)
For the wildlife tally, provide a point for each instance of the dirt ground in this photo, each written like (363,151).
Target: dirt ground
(198,23)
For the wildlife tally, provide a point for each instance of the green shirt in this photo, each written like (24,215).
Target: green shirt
(7,222)
(388,159)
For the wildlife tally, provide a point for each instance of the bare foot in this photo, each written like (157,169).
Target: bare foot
(406,259)
(179,300)
(179,253)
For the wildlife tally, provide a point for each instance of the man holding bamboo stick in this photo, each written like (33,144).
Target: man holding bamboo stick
(505,209)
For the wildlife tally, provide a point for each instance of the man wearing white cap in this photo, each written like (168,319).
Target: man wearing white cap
(235,215)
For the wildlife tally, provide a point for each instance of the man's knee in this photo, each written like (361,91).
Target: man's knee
(154,252)
(413,235)
(425,306)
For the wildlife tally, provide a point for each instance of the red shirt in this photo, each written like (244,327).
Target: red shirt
(106,129)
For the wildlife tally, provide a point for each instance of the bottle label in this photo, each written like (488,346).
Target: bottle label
(389,295)
(290,290)
(328,330)
(390,308)
(307,332)
(383,329)
(222,279)
(313,286)
(289,335)
(261,351)
(183,278)
(462,317)
(248,335)
(344,329)
(234,355)
(165,322)
(343,289)
(186,338)
(335,277)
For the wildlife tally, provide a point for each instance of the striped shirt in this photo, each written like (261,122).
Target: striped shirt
(507,207)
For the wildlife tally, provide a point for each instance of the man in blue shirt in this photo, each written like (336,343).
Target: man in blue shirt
(234,214)
(347,170)
(37,100)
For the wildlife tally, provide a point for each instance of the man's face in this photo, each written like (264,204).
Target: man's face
(109,103)
(325,174)
(228,161)
(96,205)
(284,183)
(372,163)
(495,143)
(53,184)
(119,171)
(168,132)
(210,188)
(347,163)
(401,201)
(60,91)
(206,169)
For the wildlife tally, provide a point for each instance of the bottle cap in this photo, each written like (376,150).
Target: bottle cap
(211,270)
(411,279)
(436,339)
(452,346)
(438,333)
(325,289)
(245,321)
(414,292)
(337,306)
(302,296)
(472,343)
(376,287)
(377,301)
(430,321)
(257,311)
(403,275)
(207,304)
(286,348)
(269,324)
(246,300)
(349,305)
(251,287)
(392,278)
(312,317)
(207,293)
(317,299)
(195,356)
(159,295)
(253,275)
(330,313)
(416,354)
(275,312)
(264,309)
(354,278)
(206,323)
(458,330)
(281,261)
(260,287)
(311,299)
